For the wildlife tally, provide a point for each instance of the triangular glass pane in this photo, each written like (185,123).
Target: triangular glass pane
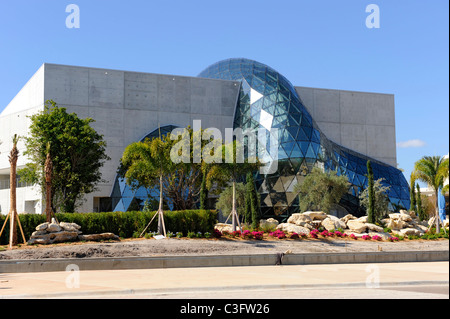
(293,131)
(310,153)
(302,135)
(281,153)
(296,152)
(304,147)
(315,136)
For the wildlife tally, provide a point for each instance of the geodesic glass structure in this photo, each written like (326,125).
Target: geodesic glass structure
(123,196)
(268,100)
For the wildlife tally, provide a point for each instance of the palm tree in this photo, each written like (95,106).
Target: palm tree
(432,170)
(144,164)
(13,157)
(48,169)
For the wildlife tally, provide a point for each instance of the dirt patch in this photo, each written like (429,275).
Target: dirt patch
(180,247)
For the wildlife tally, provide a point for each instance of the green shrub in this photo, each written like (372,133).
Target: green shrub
(123,224)
(191,234)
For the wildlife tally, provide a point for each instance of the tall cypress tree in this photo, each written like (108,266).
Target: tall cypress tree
(420,212)
(371,206)
(412,197)
(203,193)
(252,201)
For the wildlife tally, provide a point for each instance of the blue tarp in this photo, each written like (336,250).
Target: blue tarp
(441,203)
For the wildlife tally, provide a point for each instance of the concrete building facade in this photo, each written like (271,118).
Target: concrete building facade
(128,105)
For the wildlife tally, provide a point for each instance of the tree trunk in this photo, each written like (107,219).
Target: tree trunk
(371,206)
(161,226)
(13,205)
(48,187)
(437,213)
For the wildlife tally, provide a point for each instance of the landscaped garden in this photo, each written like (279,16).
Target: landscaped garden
(176,189)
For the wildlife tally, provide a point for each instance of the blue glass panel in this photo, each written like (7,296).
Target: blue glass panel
(280,97)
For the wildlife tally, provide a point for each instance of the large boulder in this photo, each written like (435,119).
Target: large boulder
(53,228)
(70,226)
(405,217)
(225,227)
(42,226)
(96,237)
(333,223)
(291,228)
(316,215)
(410,232)
(374,227)
(293,218)
(356,226)
(54,237)
(304,221)
(268,223)
(347,217)
(395,224)
(422,228)
(54,232)
(395,216)
(363,219)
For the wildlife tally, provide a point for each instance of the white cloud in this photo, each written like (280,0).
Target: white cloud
(411,143)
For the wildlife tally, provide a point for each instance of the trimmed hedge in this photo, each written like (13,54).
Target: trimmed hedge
(123,224)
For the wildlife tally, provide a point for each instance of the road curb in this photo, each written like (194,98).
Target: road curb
(112,263)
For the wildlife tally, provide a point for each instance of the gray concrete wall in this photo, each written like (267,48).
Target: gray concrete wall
(363,122)
(128,105)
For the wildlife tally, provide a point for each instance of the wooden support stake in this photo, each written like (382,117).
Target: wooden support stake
(4,224)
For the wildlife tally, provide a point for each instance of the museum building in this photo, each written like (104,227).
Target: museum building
(332,129)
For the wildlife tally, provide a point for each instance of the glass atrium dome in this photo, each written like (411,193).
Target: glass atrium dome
(268,100)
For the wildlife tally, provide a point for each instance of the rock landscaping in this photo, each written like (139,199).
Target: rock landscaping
(314,224)
(54,232)
(404,223)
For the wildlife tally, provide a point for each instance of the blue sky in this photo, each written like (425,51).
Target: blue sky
(313,43)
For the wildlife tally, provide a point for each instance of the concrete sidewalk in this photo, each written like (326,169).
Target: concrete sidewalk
(127,263)
(188,281)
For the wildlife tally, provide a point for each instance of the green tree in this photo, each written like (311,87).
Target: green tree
(144,164)
(203,192)
(412,193)
(78,153)
(181,179)
(381,206)
(371,194)
(224,203)
(432,170)
(230,166)
(420,211)
(321,190)
(252,201)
